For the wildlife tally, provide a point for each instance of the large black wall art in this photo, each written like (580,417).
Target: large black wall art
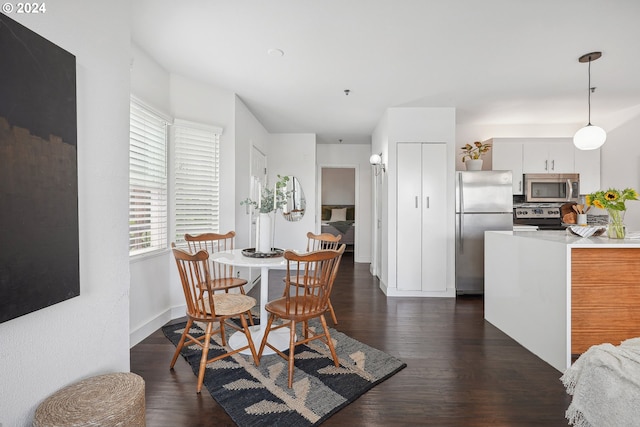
(39,256)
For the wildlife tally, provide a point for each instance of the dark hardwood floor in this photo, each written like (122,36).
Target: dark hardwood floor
(461,371)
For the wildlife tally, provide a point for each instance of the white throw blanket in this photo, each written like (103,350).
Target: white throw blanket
(605,384)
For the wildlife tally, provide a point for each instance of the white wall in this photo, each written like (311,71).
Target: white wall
(338,185)
(151,276)
(294,155)
(620,159)
(203,103)
(156,294)
(44,351)
(352,156)
(249,133)
(149,81)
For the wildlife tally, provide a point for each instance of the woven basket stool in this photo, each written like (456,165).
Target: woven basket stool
(111,400)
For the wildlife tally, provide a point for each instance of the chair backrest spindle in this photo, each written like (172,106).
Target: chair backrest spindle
(212,243)
(318,242)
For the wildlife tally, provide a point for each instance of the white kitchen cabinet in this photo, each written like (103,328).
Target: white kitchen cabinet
(557,155)
(421,217)
(507,155)
(548,155)
(587,164)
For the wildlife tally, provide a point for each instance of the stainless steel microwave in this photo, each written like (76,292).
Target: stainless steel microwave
(551,187)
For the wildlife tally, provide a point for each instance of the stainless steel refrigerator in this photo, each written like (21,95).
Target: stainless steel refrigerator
(484,201)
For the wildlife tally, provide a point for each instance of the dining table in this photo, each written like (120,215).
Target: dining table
(279,338)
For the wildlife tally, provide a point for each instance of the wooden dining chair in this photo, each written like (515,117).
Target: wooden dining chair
(222,275)
(317,242)
(209,307)
(309,281)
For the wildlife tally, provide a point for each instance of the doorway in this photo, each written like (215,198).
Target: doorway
(338,193)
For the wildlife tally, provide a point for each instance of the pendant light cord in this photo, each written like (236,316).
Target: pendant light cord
(589,92)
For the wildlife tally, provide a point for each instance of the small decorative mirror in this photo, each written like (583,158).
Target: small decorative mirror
(296,203)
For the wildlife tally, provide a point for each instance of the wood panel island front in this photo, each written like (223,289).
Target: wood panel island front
(558,294)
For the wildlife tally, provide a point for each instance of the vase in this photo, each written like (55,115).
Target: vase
(615,227)
(264,233)
(474,164)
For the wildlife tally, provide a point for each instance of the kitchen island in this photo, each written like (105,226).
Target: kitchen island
(557,294)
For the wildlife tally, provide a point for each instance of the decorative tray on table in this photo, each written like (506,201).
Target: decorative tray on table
(251,253)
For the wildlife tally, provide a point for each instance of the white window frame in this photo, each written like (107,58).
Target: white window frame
(195,178)
(148,160)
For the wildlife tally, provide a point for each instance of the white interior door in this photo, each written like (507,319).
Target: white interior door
(409,206)
(258,178)
(434,217)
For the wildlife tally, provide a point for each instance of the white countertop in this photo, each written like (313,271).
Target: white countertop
(566,237)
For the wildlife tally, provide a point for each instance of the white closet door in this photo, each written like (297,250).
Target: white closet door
(421,210)
(434,217)
(409,220)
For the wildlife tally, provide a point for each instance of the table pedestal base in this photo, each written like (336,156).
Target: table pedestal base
(278,338)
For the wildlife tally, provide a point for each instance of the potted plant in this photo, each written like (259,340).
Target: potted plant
(270,199)
(472,154)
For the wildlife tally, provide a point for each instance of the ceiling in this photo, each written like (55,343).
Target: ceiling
(496,61)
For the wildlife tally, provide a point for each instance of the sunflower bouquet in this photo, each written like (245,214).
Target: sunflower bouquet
(614,202)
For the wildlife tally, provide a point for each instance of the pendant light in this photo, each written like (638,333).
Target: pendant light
(589,137)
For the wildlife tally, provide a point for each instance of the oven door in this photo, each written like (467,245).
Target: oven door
(551,187)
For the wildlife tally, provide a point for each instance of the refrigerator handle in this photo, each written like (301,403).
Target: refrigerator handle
(461,215)
(416,202)
(427,202)
(460,195)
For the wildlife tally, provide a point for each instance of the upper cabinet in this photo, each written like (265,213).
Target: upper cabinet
(554,155)
(546,155)
(587,164)
(507,155)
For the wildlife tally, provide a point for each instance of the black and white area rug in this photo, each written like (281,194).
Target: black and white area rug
(259,396)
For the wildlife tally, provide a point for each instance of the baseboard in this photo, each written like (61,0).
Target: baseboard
(154,324)
(393,292)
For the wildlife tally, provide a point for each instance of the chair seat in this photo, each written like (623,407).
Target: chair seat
(299,307)
(227,282)
(230,304)
(311,282)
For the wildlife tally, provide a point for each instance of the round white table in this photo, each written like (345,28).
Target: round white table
(278,338)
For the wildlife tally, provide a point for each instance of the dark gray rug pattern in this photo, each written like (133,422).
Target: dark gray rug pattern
(259,396)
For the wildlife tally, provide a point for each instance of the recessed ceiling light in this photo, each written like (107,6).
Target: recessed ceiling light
(276,52)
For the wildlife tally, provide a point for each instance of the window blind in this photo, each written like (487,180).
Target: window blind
(196,184)
(147,180)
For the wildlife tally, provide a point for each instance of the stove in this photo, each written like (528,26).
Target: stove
(544,215)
